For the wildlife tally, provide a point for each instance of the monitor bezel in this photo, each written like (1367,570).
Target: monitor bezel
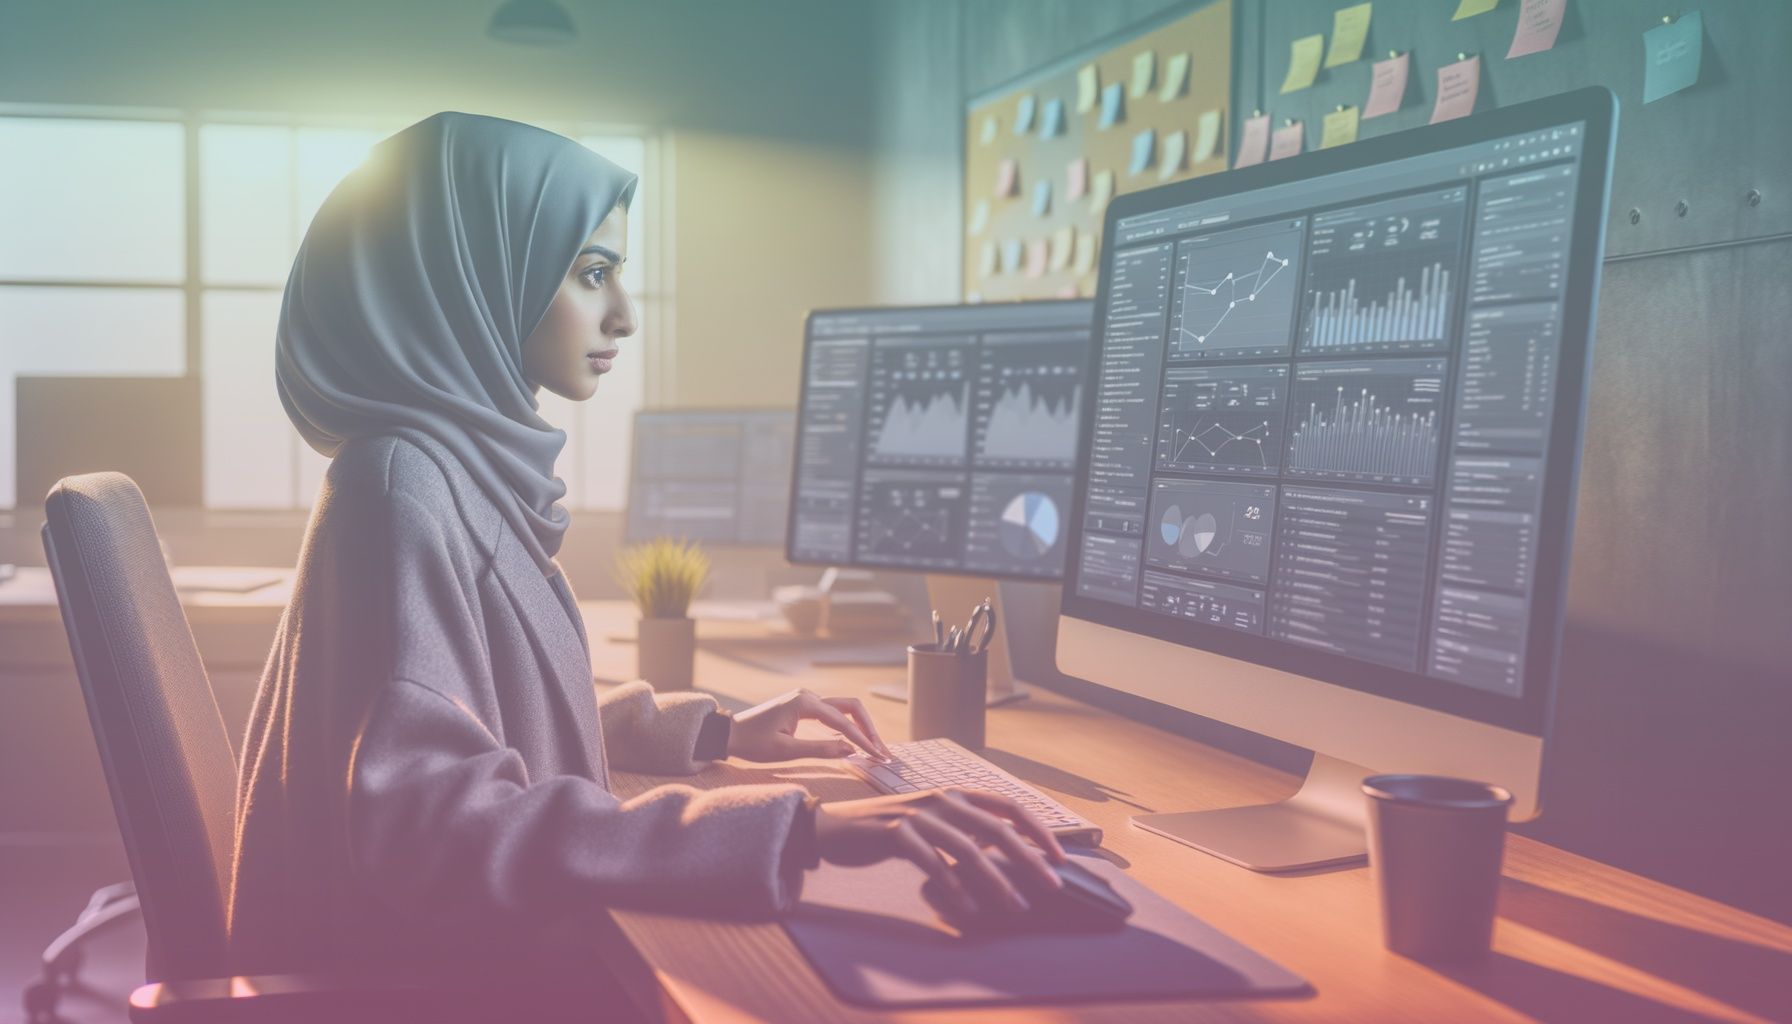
(803,398)
(1529,712)
(634,459)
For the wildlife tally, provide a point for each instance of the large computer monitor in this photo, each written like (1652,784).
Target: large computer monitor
(1330,458)
(719,476)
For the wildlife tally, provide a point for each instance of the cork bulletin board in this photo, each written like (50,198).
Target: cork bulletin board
(1041,153)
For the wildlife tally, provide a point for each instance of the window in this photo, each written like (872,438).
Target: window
(95,280)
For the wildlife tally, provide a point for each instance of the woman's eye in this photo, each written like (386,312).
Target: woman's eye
(597,276)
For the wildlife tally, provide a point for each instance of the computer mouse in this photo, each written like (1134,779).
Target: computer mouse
(1085,903)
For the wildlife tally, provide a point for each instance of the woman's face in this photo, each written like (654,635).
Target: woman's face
(577,340)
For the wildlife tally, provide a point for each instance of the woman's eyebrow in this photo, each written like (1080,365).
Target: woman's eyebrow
(607,253)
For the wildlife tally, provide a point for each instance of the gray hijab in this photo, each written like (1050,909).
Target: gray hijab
(418,281)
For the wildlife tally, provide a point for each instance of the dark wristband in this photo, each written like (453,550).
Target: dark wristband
(712,737)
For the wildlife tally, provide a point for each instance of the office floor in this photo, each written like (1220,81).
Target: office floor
(43,885)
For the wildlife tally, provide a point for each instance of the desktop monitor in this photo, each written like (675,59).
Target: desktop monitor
(1330,454)
(718,476)
(939,439)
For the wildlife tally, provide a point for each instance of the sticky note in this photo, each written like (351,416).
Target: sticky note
(1144,73)
(1051,121)
(986,260)
(1084,260)
(1101,191)
(1470,8)
(1024,110)
(1671,56)
(1538,23)
(1207,135)
(1350,26)
(1175,151)
(1338,128)
(1036,257)
(989,129)
(1303,62)
(1175,77)
(1254,142)
(1285,142)
(1062,241)
(1113,106)
(1457,86)
(1076,178)
(1387,85)
(1042,197)
(1010,255)
(1144,145)
(1007,178)
(979,217)
(1088,83)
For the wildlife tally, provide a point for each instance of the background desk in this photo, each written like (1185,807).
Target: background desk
(1576,940)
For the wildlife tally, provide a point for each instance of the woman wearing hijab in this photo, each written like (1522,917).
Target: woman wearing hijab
(425,781)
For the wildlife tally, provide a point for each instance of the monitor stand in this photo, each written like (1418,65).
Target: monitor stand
(954,597)
(1322,825)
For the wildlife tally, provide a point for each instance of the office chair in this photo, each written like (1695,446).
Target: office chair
(171,773)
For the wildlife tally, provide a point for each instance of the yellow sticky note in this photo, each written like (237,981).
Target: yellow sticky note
(1350,26)
(1339,128)
(1088,86)
(1175,78)
(1207,135)
(1144,72)
(1470,8)
(979,217)
(1303,62)
(989,129)
(1084,260)
(1062,241)
(1101,191)
(986,260)
(1175,149)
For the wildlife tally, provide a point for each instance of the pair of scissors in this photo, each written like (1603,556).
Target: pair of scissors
(971,642)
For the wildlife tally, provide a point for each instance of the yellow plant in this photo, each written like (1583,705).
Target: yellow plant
(662,576)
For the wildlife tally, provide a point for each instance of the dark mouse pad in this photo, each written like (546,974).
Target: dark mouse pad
(875,942)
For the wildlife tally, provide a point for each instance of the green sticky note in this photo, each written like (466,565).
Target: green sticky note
(1350,27)
(1470,8)
(1671,56)
(1303,62)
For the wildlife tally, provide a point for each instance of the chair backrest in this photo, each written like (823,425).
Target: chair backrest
(162,741)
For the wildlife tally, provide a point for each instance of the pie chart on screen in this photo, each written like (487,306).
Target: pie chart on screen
(1029,525)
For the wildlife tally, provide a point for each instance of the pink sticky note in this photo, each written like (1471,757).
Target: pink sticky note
(1007,178)
(1036,257)
(1286,141)
(1457,86)
(1076,178)
(1387,85)
(1538,23)
(1253,142)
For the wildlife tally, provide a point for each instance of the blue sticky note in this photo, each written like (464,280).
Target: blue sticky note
(1051,123)
(1010,255)
(1113,106)
(1042,197)
(1671,56)
(1023,115)
(1144,145)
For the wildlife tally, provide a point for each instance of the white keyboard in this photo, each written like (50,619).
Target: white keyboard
(929,764)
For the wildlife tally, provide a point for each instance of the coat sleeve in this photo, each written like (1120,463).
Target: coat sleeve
(444,821)
(650,732)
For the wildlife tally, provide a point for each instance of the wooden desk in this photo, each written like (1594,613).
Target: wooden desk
(1576,940)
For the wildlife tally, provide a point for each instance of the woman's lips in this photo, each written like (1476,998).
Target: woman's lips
(602,361)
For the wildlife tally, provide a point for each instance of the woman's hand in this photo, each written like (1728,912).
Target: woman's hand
(928,827)
(768,732)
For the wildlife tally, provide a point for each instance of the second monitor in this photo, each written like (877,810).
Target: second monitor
(718,476)
(940,439)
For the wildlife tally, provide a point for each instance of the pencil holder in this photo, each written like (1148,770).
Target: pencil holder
(945,695)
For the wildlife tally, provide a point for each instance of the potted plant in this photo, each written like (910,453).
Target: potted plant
(661,577)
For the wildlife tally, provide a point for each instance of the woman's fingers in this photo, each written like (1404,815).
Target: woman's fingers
(1009,808)
(791,748)
(856,708)
(816,708)
(992,886)
(910,844)
(980,823)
